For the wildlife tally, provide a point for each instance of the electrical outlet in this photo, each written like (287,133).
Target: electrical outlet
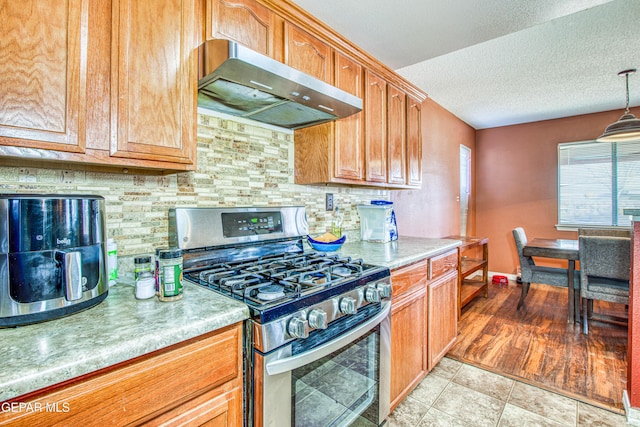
(329,202)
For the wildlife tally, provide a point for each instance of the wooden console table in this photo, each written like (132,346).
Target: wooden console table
(469,288)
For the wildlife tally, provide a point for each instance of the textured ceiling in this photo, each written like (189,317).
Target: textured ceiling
(501,62)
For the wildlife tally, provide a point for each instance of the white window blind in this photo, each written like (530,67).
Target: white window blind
(596,181)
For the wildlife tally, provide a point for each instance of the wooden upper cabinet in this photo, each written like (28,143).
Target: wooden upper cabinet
(43,74)
(334,152)
(414,142)
(349,142)
(244,21)
(154,77)
(307,53)
(375,113)
(397,140)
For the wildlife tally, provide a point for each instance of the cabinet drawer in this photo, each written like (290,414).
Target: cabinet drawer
(137,390)
(440,264)
(407,277)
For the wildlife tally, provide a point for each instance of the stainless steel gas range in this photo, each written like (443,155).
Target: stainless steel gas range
(317,345)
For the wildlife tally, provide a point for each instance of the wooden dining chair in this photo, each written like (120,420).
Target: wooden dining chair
(605,268)
(532,273)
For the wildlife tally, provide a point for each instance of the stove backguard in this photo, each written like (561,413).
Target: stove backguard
(198,228)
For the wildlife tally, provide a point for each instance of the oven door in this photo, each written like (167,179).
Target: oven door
(343,380)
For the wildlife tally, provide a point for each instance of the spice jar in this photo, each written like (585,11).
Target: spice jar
(145,285)
(170,274)
(141,264)
(157,269)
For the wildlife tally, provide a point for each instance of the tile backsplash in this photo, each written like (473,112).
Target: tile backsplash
(238,165)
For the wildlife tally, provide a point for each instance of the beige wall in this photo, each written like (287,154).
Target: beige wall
(433,211)
(516,175)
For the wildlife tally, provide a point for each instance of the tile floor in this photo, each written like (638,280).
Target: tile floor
(460,395)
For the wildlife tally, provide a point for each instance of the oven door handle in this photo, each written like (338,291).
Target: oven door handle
(290,363)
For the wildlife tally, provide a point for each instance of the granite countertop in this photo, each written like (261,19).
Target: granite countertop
(122,328)
(404,251)
(118,329)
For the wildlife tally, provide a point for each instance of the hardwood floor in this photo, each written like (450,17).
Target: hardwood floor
(538,346)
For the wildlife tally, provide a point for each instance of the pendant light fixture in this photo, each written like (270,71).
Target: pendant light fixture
(627,128)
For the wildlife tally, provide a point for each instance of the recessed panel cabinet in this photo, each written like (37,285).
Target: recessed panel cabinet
(397,136)
(381,146)
(197,382)
(424,319)
(332,152)
(414,142)
(442,320)
(154,71)
(375,113)
(100,83)
(306,53)
(408,330)
(243,21)
(348,144)
(43,74)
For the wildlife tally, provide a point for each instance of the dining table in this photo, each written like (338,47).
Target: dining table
(566,249)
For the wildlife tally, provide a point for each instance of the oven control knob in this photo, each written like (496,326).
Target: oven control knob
(317,319)
(298,328)
(372,294)
(348,305)
(385,290)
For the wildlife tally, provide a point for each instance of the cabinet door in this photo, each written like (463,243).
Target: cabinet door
(43,74)
(414,142)
(408,343)
(243,21)
(375,111)
(154,76)
(442,321)
(348,144)
(212,409)
(396,106)
(148,386)
(308,54)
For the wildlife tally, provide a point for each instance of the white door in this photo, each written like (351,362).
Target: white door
(465,187)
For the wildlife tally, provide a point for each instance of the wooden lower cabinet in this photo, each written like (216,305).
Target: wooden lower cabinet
(408,329)
(408,344)
(424,319)
(216,408)
(195,383)
(442,317)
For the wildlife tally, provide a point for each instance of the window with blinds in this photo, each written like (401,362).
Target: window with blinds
(596,181)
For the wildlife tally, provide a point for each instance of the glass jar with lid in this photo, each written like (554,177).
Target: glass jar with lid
(170,274)
(141,264)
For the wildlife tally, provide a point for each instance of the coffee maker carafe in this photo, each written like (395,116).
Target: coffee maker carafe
(52,256)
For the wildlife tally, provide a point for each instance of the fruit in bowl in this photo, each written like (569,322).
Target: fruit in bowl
(326,242)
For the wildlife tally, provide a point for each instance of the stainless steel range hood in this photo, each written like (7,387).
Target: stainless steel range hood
(238,81)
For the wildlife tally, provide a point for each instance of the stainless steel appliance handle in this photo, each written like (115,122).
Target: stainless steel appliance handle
(290,363)
(72,274)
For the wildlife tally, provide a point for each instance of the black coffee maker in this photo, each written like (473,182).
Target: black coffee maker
(52,256)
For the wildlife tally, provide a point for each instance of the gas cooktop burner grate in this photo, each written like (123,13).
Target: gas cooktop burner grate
(293,275)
